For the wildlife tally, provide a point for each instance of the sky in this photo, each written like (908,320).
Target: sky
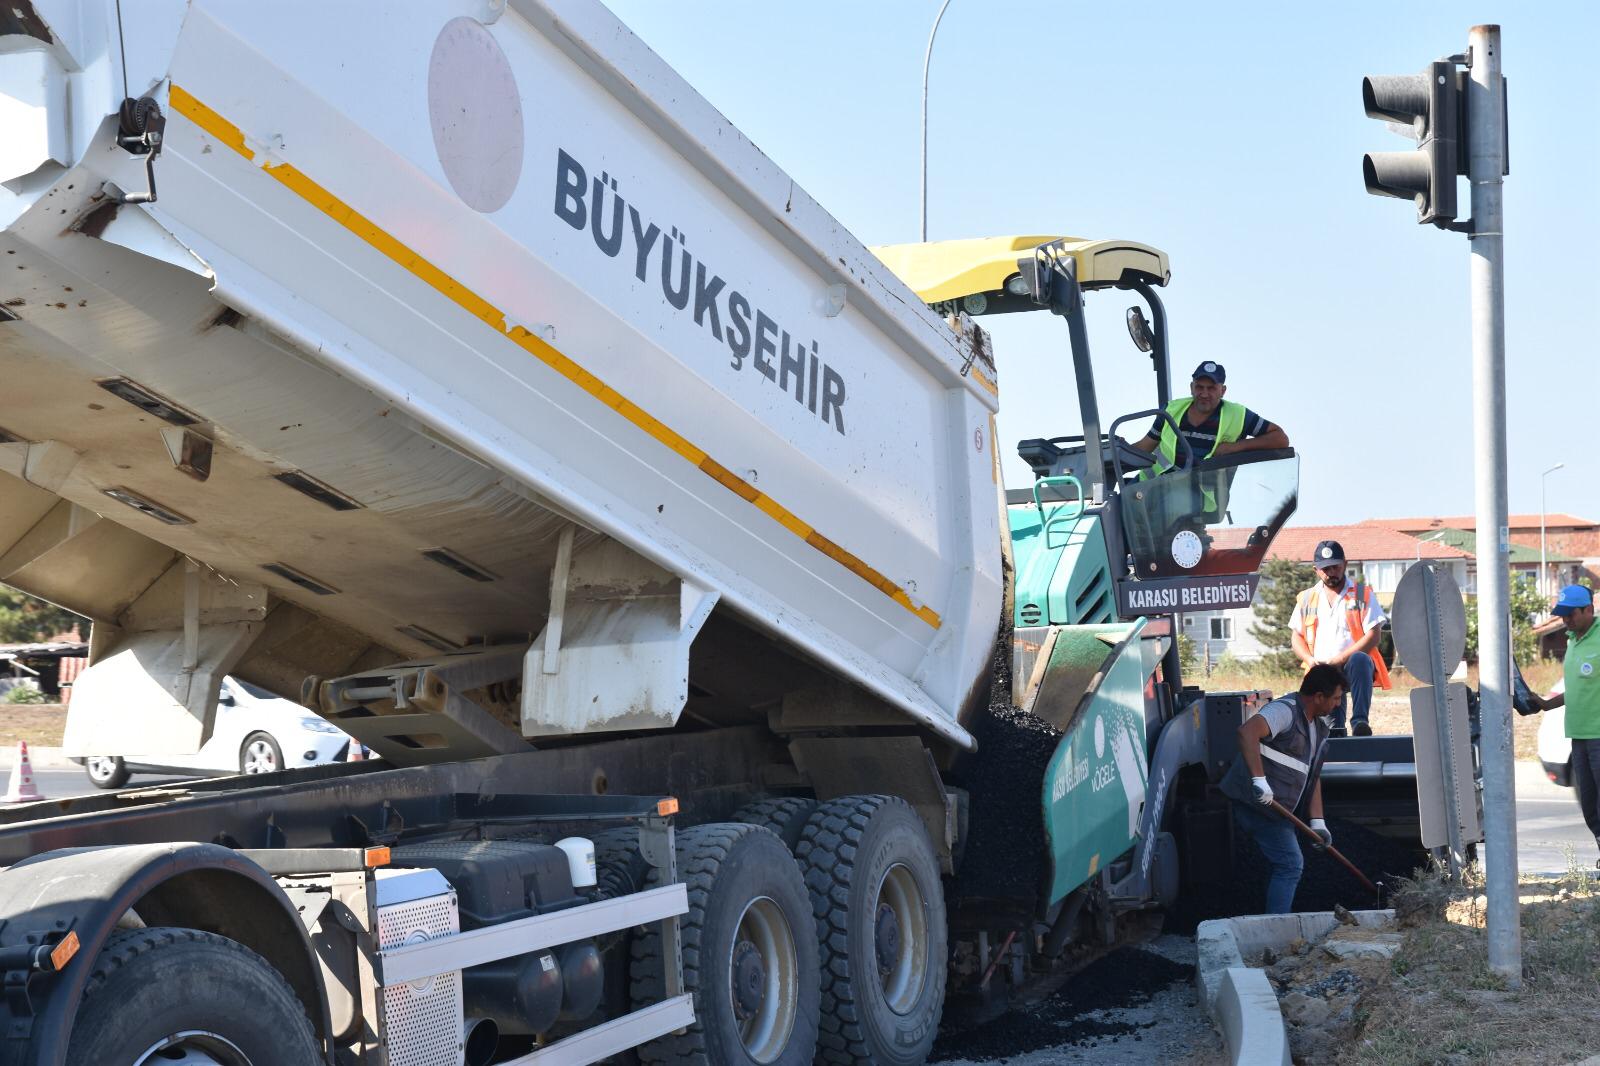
(1231,137)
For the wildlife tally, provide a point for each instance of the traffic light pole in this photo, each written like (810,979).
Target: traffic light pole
(1486,139)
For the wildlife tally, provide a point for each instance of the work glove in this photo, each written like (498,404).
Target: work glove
(1319,827)
(1263,791)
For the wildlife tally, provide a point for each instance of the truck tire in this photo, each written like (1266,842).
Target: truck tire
(619,869)
(784,815)
(749,921)
(165,994)
(879,908)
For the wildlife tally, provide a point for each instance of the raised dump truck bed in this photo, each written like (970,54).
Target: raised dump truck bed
(424,318)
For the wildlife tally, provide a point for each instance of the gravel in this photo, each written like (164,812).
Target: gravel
(1137,1004)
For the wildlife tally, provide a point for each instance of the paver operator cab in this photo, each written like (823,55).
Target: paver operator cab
(468,378)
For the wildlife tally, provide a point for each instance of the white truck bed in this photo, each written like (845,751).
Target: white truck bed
(489,273)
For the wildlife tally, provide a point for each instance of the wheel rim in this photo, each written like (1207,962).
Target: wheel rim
(900,938)
(102,767)
(764,979)
(259,758)
(194,1047)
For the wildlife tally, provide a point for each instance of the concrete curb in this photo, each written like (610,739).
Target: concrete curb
(1247,1013)
(1238,997)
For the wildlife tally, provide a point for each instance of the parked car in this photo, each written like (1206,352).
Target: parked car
(1555,750)
(255,733)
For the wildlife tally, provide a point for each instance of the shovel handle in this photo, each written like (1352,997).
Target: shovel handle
(1329,848)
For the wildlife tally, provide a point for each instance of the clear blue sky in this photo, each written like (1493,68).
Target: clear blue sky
(1231,137)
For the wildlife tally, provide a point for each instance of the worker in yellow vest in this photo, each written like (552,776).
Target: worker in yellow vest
(1338,621)
(1212,425)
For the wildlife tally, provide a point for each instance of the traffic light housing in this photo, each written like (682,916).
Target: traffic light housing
(1430,108)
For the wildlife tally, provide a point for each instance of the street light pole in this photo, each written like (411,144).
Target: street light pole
(926,59)
(1544,583)
(1422,540)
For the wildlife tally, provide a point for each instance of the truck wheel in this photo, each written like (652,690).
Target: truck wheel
(175,995)
(749,956)
(784,815)
(106,771)
(879,909)
(619,869)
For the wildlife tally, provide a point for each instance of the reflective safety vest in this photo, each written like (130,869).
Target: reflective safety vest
(1230,427)
(1357,598)
(1291,761)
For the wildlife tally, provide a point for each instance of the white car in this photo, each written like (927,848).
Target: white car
(1555,750)
(255,733)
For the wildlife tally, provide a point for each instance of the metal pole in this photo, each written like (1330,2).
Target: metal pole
(1486,164)
(1544,567)
(926,59)
(1446,724)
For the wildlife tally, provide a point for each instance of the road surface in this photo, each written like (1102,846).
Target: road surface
(1550,830)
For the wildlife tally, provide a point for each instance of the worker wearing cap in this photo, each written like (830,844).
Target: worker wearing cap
(1337,621)
(1581,674)
(1212,425)
(1280,761)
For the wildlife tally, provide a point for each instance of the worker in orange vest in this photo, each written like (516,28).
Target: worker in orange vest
(1337,621)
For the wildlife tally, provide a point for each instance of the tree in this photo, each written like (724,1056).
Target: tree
(1526,606)
(24,619)
(1281,582)
(1188,659)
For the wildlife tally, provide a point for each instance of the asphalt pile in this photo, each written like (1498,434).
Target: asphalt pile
(1006,844)
(1323,882)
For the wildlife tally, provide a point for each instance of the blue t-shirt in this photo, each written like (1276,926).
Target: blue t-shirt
(1203,438)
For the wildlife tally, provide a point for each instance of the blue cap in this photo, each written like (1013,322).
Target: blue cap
(1215,371)
(1570,599)
(1329,553)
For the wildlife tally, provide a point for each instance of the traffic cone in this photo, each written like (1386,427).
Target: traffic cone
(356,752)
(22,789)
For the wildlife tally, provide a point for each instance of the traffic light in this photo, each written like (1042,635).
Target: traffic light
(1430,108)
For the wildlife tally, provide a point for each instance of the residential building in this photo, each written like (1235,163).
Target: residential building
(1378,555)
(1574,541)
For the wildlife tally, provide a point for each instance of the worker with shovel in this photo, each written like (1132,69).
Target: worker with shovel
(1279,762)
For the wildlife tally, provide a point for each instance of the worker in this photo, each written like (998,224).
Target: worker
(1338,621)
(1581,679)
(1280,760)
(1212,425)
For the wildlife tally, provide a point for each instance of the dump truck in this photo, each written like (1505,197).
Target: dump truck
(469,379)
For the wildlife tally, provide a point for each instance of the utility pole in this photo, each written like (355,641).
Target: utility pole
(1459,123)
(1486,166)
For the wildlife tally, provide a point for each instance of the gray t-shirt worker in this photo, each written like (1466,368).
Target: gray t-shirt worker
(1280,759)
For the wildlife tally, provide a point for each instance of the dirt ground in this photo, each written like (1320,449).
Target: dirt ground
(1433,1000)
(40,724)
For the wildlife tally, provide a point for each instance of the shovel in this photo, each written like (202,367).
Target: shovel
(1311,834)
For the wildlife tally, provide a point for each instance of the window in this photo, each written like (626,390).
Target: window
(1188,622)
(1222,629)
